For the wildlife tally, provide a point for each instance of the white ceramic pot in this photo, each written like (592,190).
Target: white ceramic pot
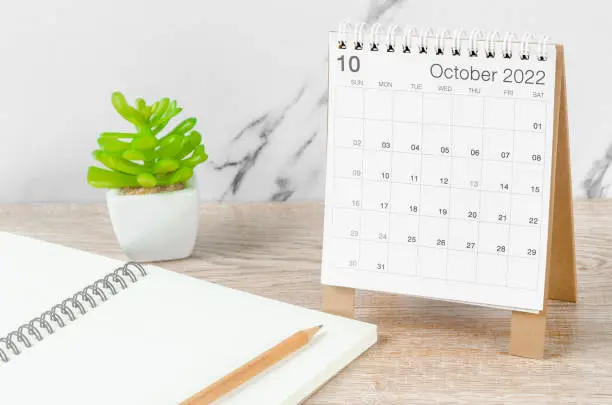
(156,227)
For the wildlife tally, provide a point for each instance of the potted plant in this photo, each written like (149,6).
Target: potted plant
(152,196)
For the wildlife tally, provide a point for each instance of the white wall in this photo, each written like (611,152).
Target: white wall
(230,64)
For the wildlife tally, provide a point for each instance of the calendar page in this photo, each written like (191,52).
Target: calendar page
(439,162)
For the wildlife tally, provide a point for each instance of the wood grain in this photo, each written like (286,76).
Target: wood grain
(429,352)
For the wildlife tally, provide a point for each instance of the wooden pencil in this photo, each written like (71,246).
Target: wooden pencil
(249,370)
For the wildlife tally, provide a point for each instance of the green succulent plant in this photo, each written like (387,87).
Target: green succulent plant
(142,158)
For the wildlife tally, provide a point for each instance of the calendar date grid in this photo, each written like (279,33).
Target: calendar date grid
(431,277)
(449,215)
(388,149)
(447,186)
(450,154)
(539,130)
(475,249)
(426,92)
(495,218)
(410,268)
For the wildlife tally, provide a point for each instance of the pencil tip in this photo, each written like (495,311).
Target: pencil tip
(312,331)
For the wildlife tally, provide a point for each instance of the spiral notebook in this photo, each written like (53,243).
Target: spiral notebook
(439,161)
(81,328)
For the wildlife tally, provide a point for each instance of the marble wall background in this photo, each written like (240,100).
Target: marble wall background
(254,73)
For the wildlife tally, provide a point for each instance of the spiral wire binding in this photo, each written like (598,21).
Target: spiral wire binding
(63,313)
(478,43)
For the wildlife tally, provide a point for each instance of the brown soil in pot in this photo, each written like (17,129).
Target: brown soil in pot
(151,190)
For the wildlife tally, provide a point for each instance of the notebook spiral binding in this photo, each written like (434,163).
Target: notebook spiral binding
(420,41)
(61,314)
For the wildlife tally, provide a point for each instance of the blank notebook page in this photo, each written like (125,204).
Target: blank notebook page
(160,341)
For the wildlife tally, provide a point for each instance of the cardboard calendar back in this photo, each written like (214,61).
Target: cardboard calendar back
(527,336)
(440,166)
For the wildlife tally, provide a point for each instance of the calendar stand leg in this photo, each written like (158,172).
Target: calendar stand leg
(563,278)
(528,331)
(339,301)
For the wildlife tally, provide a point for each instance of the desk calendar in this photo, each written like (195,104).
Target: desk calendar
(440,164)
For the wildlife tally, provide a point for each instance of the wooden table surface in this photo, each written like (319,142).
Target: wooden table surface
(428,352)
